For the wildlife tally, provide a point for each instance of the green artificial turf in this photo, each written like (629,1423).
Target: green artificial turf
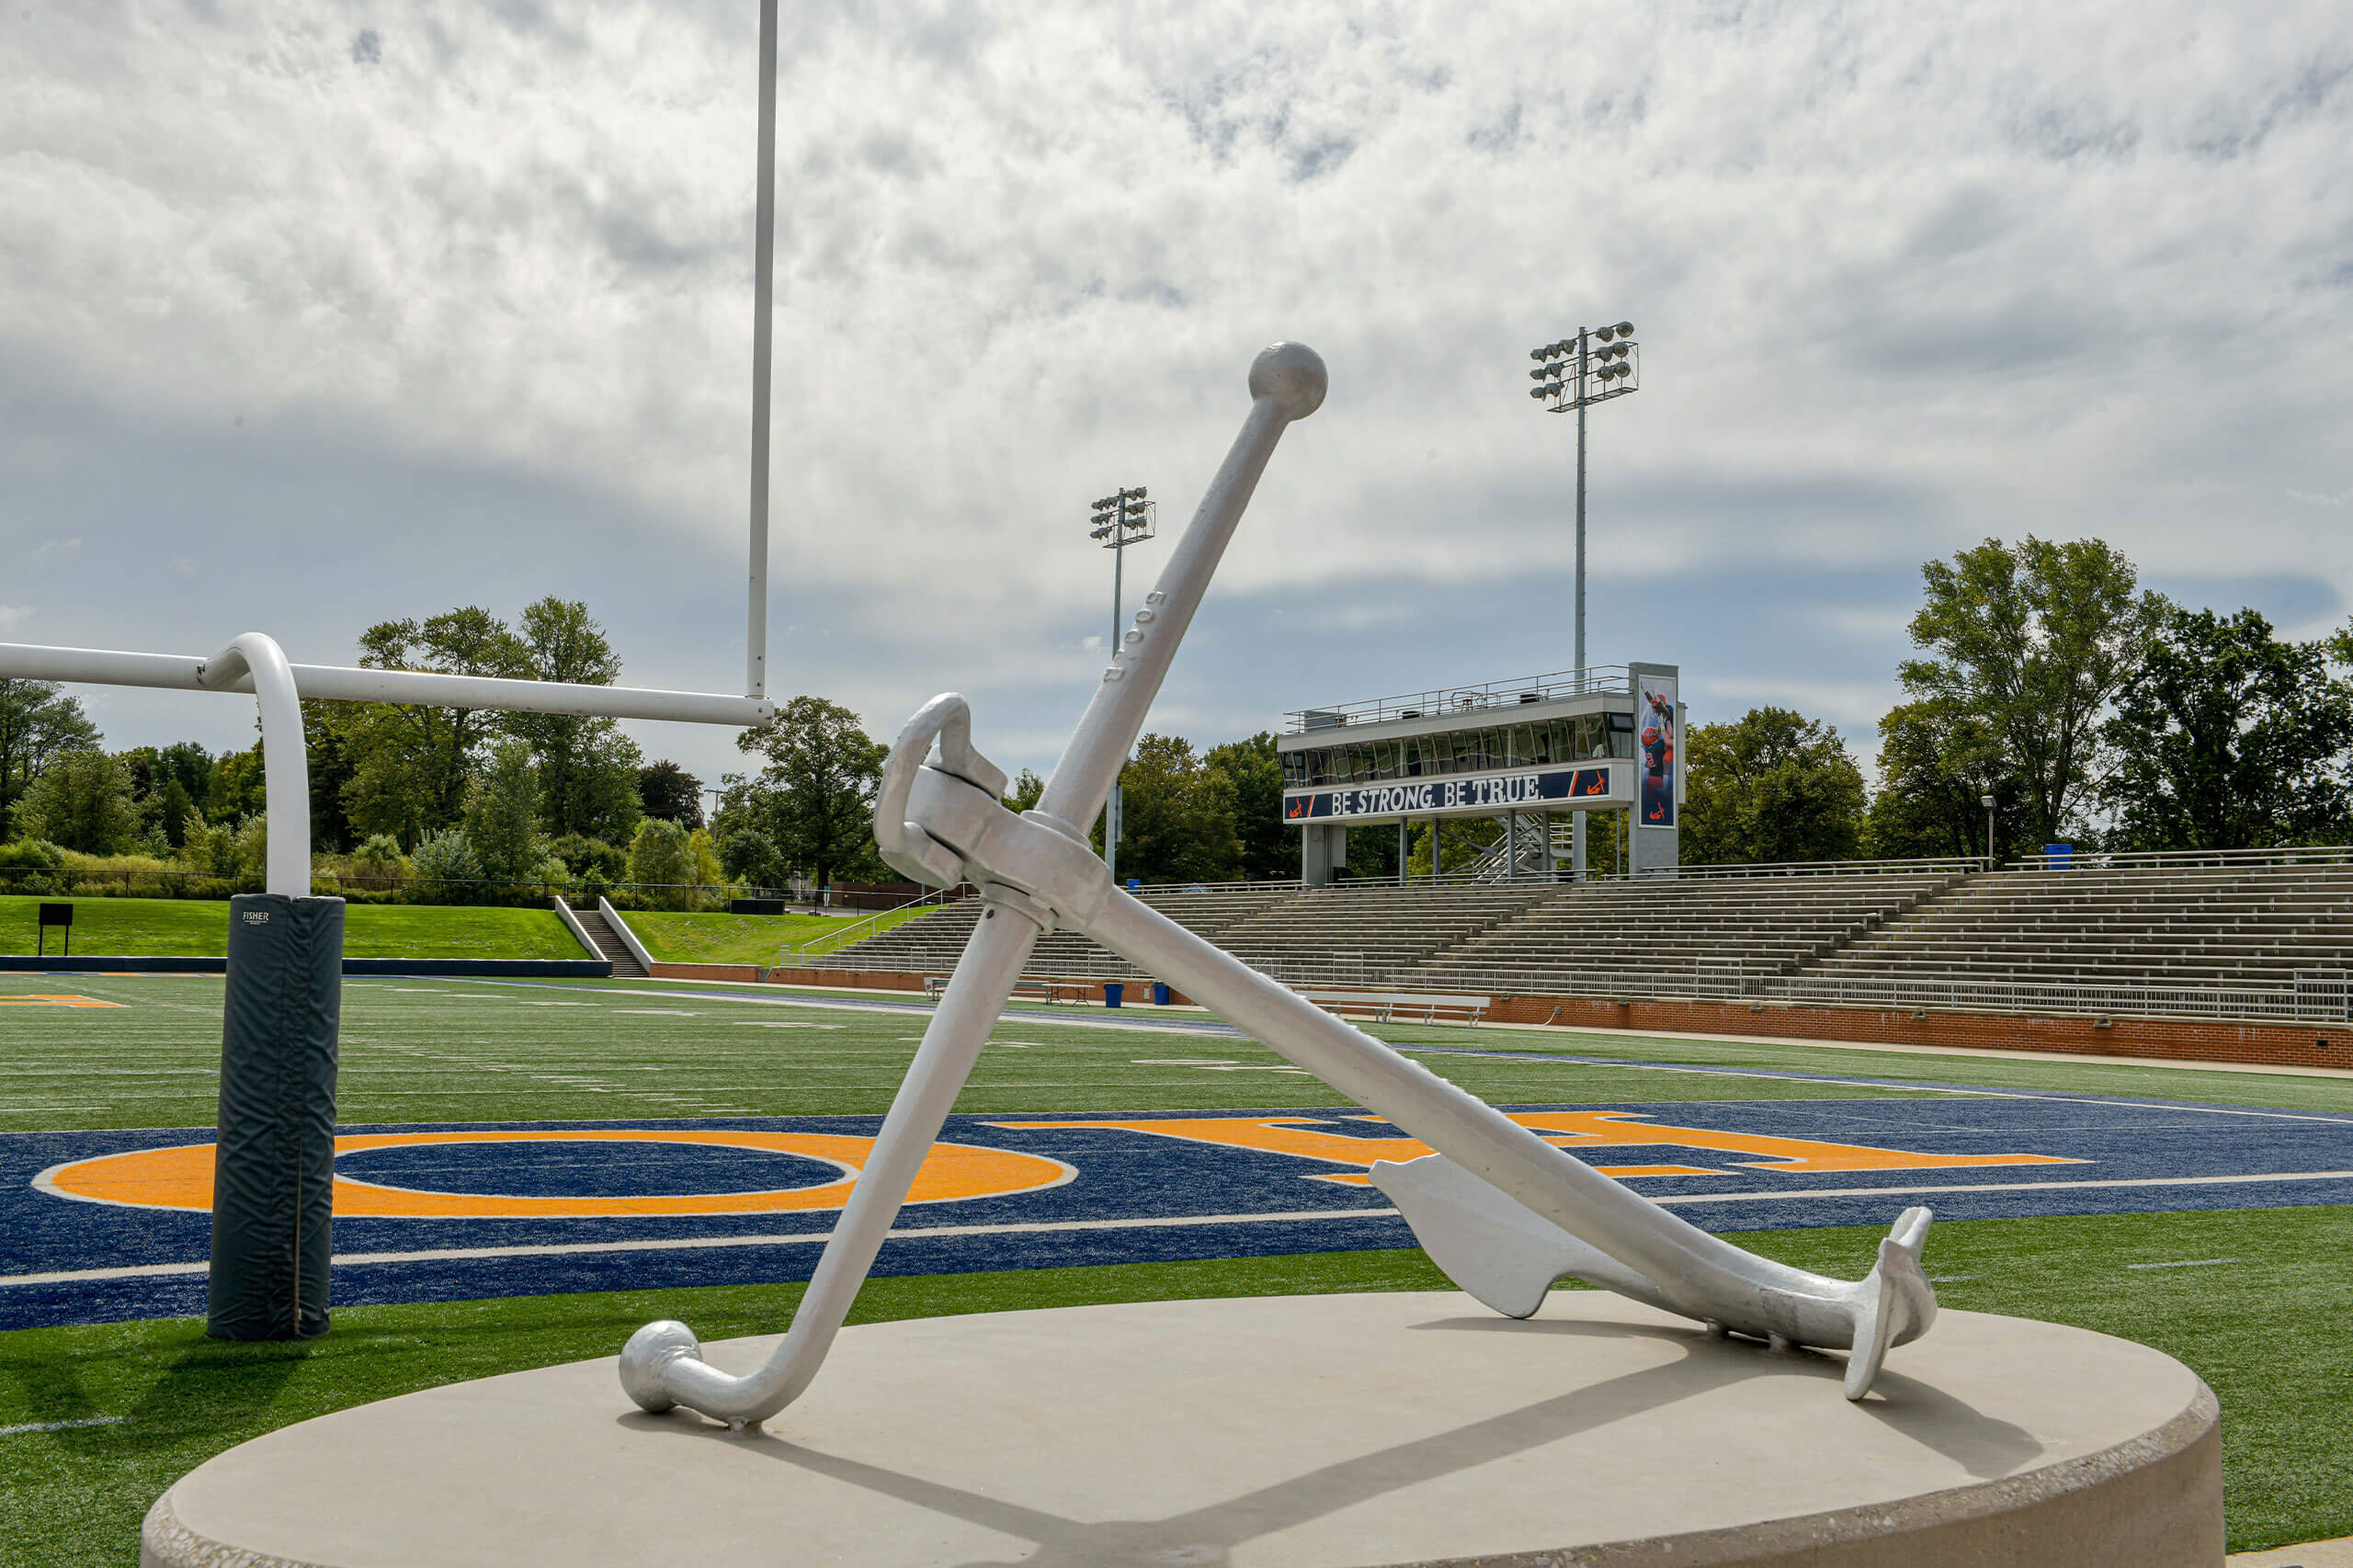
(2270,1337)
(463,1050)
(752,938)
(167,927)
(467,1050)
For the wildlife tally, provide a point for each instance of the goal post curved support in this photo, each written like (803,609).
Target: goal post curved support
(281,1013)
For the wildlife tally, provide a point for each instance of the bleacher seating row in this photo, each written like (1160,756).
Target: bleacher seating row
(2260,927)
(2153,928)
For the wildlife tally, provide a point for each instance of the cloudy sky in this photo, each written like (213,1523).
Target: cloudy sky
(315,315)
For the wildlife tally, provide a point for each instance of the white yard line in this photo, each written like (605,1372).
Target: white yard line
(920,1232)
(62,1426)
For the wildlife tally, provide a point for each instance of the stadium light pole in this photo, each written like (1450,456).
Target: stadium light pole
(1986,800)
(1117,520)
(756,617)
(1574,374)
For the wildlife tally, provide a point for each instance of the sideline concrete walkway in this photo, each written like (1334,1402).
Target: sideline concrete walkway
(2337,1554)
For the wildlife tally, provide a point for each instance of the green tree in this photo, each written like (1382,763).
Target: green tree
(331,770)
(1270,844)
(587,768)
(38,723)
(1176,820)
(660,858)
(2230,739)
(411,763)
(81,799)
(590,859)
(240,788)
(815,796)
(1771,785)
(1463,841)
(1935,767)
(380,861)
(173,809)
(749,856)
(1028,790)
(666,791)
(2033,643)
(502,818)
(445,860)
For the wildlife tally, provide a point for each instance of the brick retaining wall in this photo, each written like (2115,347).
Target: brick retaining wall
(2182,1039)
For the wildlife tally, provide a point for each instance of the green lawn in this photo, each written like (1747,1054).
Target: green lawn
(168,927)
(753,938)
(2276,1347)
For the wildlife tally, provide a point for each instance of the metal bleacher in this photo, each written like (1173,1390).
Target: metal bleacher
(930,944)
(2149,926)
(1697,934)
(2251,935)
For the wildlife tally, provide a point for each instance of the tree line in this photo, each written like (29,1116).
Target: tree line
(2092,711)
(450,797)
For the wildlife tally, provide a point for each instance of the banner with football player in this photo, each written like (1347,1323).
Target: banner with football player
(1655,733)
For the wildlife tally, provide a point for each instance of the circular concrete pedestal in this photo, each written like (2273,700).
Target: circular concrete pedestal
(1286,1432)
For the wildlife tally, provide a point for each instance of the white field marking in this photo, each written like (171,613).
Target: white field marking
(1949,1279)
(1211,1065)
(1571,1060)
(2186,1263)
(917,1232)
(657,1012)
(1031,1015)
(62,1426)
(776,1024)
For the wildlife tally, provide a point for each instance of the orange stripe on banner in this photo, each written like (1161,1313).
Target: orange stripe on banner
(1580,1130)
(37,1001)
(181,1176)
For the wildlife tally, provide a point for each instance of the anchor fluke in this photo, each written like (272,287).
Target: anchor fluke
(1508,1257)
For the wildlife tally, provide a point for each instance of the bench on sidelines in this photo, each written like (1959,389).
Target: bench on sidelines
(1385,1006)
(936,985)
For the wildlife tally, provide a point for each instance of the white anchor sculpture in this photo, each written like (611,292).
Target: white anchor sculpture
(1501,1210)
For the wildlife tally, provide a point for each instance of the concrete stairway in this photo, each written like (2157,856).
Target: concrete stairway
(610,945)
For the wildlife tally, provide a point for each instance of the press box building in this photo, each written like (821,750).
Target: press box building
(1522,751)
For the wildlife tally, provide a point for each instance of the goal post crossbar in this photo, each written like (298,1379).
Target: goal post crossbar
(254,665)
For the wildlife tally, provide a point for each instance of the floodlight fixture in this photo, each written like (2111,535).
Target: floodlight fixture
(1597,364)
(1121,518)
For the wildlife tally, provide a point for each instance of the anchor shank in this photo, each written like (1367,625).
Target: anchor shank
(1083,779)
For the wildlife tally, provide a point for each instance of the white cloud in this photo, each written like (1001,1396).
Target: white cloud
(447,300)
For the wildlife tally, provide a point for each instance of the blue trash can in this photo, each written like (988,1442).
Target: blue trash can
(1135,884)
(1160,995)
(1112,991)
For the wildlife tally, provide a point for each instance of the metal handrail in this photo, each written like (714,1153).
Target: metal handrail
(840,937)
(2183,859)
(1599,680)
